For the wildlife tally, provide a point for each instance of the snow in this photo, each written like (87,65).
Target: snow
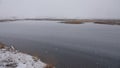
(11,58)
(21,65)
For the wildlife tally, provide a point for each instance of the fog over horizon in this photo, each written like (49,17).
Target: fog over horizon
(88,9)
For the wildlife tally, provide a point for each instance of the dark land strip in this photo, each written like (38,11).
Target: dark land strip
(68,21)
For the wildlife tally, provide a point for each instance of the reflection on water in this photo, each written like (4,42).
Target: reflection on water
(87,45)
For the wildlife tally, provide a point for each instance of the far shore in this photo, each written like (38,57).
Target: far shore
(69,21)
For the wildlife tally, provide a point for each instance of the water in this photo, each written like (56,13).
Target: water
(86,45)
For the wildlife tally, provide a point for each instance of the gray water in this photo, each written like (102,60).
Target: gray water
(86,45)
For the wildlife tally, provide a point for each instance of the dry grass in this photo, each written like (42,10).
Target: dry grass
(73,22)
(36,58)
(2,45)
(109,23)
(49,66)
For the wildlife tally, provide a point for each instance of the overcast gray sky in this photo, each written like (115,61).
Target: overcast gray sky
(61,8)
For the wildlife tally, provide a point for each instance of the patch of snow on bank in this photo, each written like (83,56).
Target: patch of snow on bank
(13,59)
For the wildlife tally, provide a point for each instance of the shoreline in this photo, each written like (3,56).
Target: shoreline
(68,21)
(10,57)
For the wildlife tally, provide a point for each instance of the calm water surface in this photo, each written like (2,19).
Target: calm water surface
(86,45)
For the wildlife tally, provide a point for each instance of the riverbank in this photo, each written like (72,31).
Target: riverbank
(12,58)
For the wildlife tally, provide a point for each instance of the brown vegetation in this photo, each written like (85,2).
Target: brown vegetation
(49,66)
(2,45)
(73,22)
(109,23)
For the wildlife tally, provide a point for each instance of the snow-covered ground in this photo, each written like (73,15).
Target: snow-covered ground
(11,58)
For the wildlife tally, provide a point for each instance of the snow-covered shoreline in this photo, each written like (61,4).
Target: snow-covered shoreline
(11,58)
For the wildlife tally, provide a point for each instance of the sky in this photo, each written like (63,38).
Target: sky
(93,9)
